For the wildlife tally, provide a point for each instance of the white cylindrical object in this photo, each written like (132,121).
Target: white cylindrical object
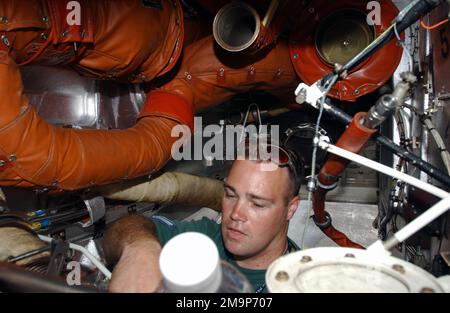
(190,263)
(384,169)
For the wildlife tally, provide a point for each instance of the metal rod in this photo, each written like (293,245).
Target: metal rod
(383,169)
(417,224)
(392,147)
(405,19)
(28,254)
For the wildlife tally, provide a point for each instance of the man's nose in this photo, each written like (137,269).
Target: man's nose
(238,213)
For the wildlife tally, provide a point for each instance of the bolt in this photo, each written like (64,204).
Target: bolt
(5,40)
(399,268)
(350,255)
(12,158)
(296,56)
(282,276)
(2,163)
(306,259)
(3,19)
(45,19)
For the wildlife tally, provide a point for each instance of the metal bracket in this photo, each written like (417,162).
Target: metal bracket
(58,255)
(309,94)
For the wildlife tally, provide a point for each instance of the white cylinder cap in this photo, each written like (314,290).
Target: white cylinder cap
(190,263)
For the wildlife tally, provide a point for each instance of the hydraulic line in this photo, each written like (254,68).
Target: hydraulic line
(426,167)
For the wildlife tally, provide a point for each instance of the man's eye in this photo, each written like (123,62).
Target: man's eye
(229,195)
(258,205)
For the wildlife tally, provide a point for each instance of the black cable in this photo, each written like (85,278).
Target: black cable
(394,148)
(412,16)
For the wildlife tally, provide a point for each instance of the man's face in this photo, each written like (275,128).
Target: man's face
(255,213)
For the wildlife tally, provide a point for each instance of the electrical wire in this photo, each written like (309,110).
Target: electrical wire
(405,48)
(428,123)
(101,267)
(328,85)
(437,25)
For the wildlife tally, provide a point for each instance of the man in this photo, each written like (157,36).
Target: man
(256,209)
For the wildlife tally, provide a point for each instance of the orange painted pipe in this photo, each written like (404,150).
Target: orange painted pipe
(353,139)
(36,154)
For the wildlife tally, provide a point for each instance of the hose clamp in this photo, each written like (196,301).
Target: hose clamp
(324,225)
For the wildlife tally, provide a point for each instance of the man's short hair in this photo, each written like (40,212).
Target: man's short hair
(264,151)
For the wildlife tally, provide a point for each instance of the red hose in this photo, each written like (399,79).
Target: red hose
(353,139)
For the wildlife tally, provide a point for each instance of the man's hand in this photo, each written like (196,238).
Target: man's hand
(138,268)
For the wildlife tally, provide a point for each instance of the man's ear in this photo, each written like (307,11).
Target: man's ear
(292,207)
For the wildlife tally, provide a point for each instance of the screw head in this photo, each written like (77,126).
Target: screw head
(306,259)
(282,276)
(350,255)
(12,158)
(399,268)
(427,290)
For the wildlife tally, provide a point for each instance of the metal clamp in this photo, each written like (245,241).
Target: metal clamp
(326,187)
(326,224)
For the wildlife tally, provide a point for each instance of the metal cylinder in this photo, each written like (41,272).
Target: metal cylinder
(380,111)
(236,27)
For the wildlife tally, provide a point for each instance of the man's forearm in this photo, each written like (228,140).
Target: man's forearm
(128,232)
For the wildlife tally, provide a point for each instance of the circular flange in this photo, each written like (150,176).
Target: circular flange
(311,64)
(334,269)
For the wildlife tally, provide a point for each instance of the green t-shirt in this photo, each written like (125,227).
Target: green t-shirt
(167,229)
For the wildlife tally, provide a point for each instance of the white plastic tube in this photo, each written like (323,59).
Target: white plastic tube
(417,224)
(83,250)
(383,169)
(424,219)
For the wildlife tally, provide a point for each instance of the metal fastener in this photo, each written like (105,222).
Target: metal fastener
(306,259)
(282,276)
(64,33)
(296,56)
(45,19)
(2,163)
(43,36)
(350,255)
(4,20)
(5,40)
(399,268)
(12,158)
